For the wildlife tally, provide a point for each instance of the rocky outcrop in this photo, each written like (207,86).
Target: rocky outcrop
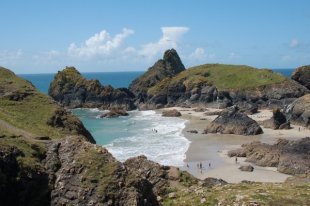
(302,76)
(171,113)
(232,121)
(69,124)
(290,157)
(222,85)
(246,168)
(114,113)
(88,175)
(22,183)
(277,121)
(167,67)
(72,90)
(298,112)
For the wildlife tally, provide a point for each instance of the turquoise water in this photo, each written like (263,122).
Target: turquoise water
(116,79)
(134,135)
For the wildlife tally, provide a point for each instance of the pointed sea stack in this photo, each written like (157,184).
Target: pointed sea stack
(169,66)
(72,90)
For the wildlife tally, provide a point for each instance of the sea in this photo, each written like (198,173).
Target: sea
(141,133)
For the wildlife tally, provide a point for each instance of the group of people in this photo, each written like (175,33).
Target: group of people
(154,130)
(199,166)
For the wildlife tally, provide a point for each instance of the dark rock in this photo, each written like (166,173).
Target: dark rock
(193,131)
(286,125)
(114,113)
(299,111)
(278,119)
(290,157)
(232,121)
(237,153)
(20,184)
(72,90)
(248,108)
(171,113)
(211,182)
(213,113)
(246,168)
(69,123)
(43,138)
(200,109)
(302,76)
(169,66)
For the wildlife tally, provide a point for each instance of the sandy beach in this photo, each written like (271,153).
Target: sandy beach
(211,149)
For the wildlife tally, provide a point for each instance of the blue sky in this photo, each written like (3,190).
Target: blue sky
(40,36)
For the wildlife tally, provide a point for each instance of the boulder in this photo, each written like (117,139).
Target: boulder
(232,121)
(246,168)
(171,113)
(114,113)
(193,131)
(277,121)
(302,76)
(211,182)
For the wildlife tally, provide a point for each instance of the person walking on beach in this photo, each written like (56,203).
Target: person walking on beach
(200,165)
(236,160)
(209,164)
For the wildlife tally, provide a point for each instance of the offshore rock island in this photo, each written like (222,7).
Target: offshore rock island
(48,157)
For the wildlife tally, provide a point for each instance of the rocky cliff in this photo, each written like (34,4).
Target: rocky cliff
(302,75)
(298,112)
(167,67)
(72,90)
(221,84)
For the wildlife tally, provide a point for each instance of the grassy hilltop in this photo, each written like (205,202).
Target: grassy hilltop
(224,77)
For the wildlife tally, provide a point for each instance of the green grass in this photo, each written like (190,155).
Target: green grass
(30,113)
(32,152)
(224,77)
(100,170)
(262,193)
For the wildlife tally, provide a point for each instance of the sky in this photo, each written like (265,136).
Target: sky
(41,36)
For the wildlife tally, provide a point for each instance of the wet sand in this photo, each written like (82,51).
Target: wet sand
(212,149)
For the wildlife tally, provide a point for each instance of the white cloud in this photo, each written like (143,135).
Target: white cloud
(170,39)
(198,54)
(10,57)
(101,44)
(294,43)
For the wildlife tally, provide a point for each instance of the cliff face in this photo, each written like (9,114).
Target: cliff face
(298,112)
(302,76)
(72,90)
(169,66)
(223,85)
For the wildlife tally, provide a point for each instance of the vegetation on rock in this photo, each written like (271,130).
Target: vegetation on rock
(302,75)
(71,89)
